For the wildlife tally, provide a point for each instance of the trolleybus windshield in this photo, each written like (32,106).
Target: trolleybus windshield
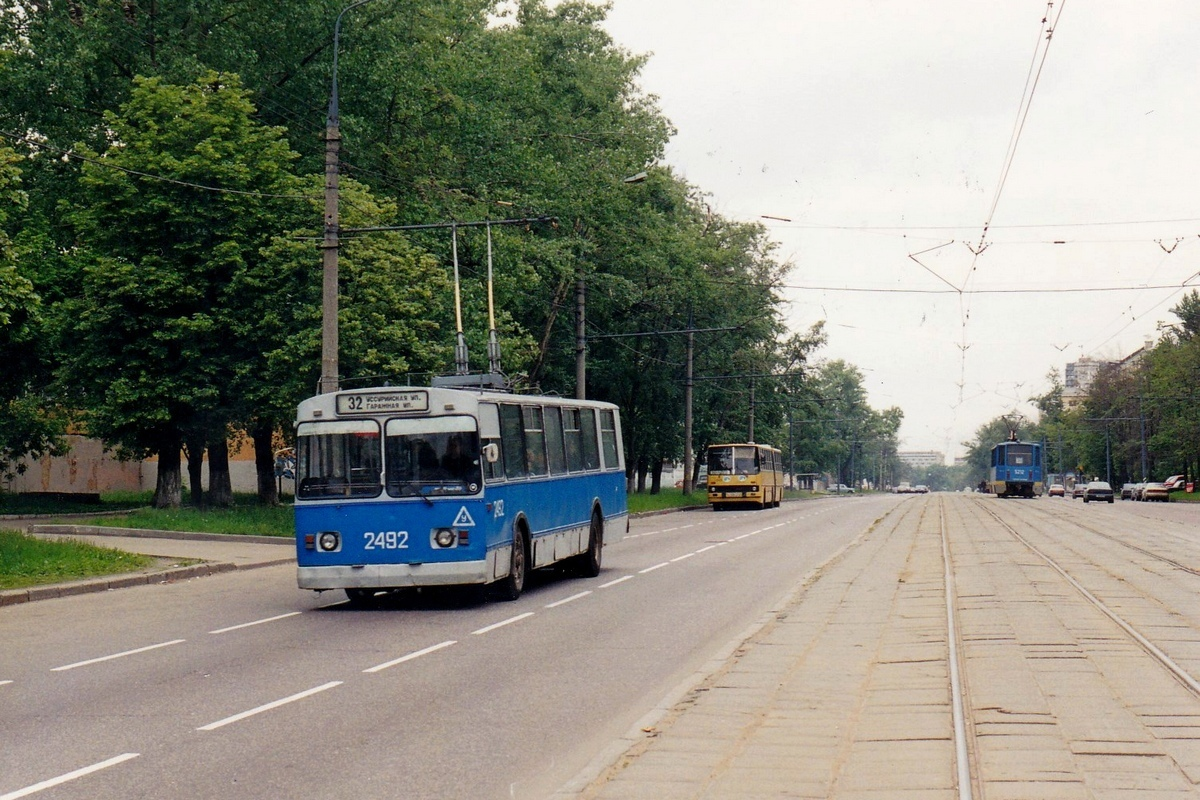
(338,459)
(432,456)
(733,460)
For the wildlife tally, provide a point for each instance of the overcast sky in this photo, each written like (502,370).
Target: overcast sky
(880,129)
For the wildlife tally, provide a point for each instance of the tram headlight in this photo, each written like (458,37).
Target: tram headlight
(444,537)
(329,541)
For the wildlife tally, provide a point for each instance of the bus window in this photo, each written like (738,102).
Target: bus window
(720,460)
(338,459)
(745,460)
(432,456)
(608,438)
(512,438)
(535,440)
(573,438)
(591,450)
(554,442)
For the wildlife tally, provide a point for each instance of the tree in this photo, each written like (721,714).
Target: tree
(150,356)
(29,422)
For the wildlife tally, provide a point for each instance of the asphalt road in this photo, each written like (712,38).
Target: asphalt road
(241,685)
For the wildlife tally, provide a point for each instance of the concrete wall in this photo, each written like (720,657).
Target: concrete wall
(88,468)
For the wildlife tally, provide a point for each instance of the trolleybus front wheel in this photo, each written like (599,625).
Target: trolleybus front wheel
(361,598)
(511,586)
(588,562)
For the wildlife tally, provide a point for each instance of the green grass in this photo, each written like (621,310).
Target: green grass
(109,501)
(26,561)
(1184,497)
(246,517)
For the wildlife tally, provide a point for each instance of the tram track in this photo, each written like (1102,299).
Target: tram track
(1158,654)
(962,749)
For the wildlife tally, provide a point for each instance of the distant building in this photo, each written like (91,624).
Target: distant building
(922,458)
(1077,379)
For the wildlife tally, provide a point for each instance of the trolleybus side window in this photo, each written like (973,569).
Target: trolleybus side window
(535,440)
(338,459)
(591,450)
(512,437)
(608,438)
(554,441)
(573,438)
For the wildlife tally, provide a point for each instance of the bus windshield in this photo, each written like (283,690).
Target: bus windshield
(732,460)
(338,459)
(432,456)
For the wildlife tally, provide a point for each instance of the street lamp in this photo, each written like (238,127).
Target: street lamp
(330,242)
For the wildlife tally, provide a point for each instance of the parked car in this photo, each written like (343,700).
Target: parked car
(1099,491)
(841,488)
(1126,491)
(1078,490)
(1138,488)
(1058,490)
(1156,492)
(1175,482)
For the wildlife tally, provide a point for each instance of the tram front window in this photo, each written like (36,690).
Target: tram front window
(433,456)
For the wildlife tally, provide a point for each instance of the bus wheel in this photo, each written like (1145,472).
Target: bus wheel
(589,562)
(510,587)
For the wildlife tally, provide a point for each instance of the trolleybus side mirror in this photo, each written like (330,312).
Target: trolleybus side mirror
(491,452)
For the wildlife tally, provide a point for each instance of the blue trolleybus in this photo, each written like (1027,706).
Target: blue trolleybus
(1016,469)
(433,486)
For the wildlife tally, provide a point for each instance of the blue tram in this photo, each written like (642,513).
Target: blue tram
(1016,469)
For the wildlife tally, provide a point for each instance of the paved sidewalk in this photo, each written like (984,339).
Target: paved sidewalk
(215,552)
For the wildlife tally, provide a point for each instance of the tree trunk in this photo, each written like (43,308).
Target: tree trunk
(195,468)
(169,486)
(656,476)
(263,435)
(642,467)
(220,486)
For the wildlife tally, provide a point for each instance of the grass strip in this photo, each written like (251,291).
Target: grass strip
(28,561)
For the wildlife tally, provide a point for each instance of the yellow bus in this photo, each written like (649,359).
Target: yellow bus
(744,474)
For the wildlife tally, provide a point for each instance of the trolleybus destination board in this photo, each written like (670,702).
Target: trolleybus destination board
(382,402)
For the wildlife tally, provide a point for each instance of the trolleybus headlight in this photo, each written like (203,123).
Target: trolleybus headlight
(444,537)
(329,541)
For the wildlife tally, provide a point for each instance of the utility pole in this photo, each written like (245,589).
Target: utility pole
(330,242)
(580,340)
(687,409)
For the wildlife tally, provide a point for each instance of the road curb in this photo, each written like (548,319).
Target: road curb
(12,597)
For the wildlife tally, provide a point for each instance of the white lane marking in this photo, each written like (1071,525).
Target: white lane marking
(5,683)
(70,776)
(706,549)
(212,726)
(117,655)
(681,558)
(410,656)
(502,623)
(564,601)
(256,622)
(656,566)
(614,583)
